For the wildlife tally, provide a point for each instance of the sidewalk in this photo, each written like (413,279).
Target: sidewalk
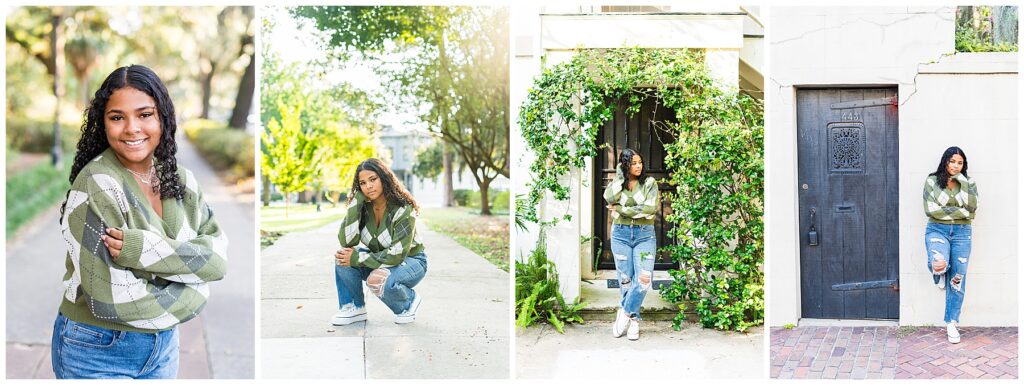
(888,352)
(461,331)
(590,351)
(218,343)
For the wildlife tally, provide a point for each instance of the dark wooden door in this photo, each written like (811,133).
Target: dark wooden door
(646,133)
(847,148)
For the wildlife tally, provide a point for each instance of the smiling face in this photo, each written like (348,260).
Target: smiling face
(955,164)
(132,127)
(636,166)
(370,185)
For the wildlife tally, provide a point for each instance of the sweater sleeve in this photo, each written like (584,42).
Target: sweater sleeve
(968,195)
(196,260)
(402,231)
(933,205)
(348,234)
(116,293)
(645,209)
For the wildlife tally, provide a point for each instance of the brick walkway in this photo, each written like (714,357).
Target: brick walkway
(981,353)
(833,352)
(887,352)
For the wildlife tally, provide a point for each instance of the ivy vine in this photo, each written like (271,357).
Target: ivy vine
(716,160)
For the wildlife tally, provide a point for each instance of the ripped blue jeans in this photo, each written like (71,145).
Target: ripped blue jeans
(951,244)
(634,248)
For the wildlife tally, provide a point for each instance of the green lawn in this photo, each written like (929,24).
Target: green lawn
(34,190)
(487,236)
(300,217)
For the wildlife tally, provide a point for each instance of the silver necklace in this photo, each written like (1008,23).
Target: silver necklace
(146,178)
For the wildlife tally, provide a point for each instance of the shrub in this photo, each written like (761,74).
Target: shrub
(462,197)
(224,148)
(31,135)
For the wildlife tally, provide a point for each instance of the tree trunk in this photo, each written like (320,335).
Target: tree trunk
(243,101)
(485,204)
(206,81)
(449,182)
(285,204)
(266,191)
(57,50)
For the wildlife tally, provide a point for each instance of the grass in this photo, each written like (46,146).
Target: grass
(273,222)
(34,190)
(904,331)
(486,236)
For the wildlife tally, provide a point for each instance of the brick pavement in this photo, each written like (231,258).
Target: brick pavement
(981,353)
(814,352)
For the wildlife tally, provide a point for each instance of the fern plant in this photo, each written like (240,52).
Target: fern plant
(537,295)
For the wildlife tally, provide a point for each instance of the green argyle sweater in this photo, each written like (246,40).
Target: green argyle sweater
(636,207)
(385,245)
(956,206)
(160,278)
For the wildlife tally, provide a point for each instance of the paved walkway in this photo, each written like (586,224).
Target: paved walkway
(461,331)
(888,352)
(590,351)
(217,344)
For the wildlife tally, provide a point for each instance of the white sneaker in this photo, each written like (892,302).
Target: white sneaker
(952,334)
(634,329)
(349,314)
(620,324)
(409,314)
(942,283)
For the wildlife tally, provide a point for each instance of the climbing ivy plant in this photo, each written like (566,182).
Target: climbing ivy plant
(716,160)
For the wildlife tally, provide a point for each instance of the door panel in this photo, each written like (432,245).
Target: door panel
(847,147)
(639,132)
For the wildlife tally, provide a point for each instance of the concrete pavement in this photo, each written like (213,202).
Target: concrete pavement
(590,351)
(461,331)
(220,343)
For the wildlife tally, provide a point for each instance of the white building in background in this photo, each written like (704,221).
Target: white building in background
(400,145)
(731,36)
(882,93)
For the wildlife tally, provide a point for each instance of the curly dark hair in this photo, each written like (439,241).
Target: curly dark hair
(941,174)
(625,162)
(394,190)
(94,138)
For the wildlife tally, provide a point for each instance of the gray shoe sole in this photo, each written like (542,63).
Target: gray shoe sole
(342,321)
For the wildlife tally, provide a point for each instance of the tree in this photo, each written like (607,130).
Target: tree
(429,162)
(456,69)
(289,153)
(342,149)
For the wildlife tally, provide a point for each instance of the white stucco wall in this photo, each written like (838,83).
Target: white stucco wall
(968,100)
(556,36)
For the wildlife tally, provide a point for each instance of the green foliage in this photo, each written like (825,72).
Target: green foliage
(429,161)
(976,30)
(453,71)
(32,135)
(716,160)
(289,153)
(225,148)
(788,326)
(717,208)
(537,296)
(33,191)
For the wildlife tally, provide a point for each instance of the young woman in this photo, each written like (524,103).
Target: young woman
(633,200)
(379,245)
(950,200)
(142,244)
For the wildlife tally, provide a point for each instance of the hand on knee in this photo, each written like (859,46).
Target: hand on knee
(376,281)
